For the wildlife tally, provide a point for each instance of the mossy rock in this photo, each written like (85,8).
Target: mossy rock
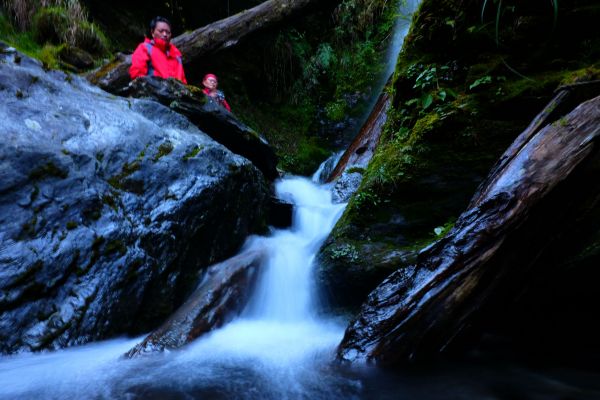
(77,58)
(459,101)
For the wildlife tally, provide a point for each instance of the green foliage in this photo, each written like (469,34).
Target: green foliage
(345,251)
(427,80)
(484,80)
(441,231)
(50,24)
(336,110)
(42,28)
(89,37)
(366,198)
(308,154)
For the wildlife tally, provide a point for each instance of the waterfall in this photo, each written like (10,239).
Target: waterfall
(277,349)
(278,343)
(285,291)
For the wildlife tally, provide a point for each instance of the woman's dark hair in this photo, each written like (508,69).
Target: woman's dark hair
(155,21)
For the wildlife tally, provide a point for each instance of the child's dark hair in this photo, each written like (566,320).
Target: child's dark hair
(155,21)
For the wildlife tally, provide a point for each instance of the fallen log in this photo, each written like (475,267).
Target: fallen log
(547,179)
(208,39)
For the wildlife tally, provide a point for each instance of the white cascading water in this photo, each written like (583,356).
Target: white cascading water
(278,344)
(278,349)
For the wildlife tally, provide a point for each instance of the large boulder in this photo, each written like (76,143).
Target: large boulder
(217,122)
(110,209)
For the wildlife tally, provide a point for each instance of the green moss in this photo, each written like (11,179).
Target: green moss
(544,82)
(424,125)
(163,150)
(121,181)
(336,111)
(344,251)
(308,155)
(48,170)
(355,170)
(71,225)
(589,73)
(192,153)
(115,246)
(110,201)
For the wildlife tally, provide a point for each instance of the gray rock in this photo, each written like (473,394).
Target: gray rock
(218,123)
(219,297)
(110,209)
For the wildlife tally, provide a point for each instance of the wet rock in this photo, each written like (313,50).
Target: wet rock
(217,122)
(280,213)
(77,58)
(221,295)
(110,209)
(345,186)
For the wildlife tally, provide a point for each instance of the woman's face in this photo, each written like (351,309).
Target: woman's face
(210,83)
(162,30)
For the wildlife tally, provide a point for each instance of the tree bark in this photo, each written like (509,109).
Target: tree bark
(547,180)
(208,39)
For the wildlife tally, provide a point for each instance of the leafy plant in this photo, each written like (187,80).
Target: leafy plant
(481,81)
(344,251)
(427,82)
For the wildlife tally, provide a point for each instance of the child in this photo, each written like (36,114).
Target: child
(210,89)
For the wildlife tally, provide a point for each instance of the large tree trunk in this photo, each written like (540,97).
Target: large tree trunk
(208,39)
(547,180)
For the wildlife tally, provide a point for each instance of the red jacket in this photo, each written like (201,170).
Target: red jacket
(219,98)
(157,59)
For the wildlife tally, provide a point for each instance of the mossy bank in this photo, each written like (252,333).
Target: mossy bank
(467,82)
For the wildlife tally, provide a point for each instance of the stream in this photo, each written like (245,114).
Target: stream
(279,348)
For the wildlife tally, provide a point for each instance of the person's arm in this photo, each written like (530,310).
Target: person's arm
(139,62)
(226,105)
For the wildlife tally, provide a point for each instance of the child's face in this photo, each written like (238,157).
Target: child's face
(210,83)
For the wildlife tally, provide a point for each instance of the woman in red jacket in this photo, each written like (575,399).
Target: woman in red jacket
(210,89)
(157,56)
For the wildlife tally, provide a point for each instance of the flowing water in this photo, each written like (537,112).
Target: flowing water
(278,348)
